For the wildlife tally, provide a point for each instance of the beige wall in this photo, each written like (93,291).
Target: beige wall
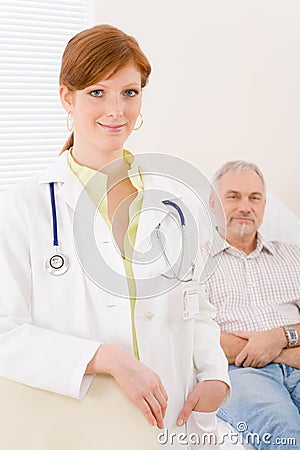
(225,82)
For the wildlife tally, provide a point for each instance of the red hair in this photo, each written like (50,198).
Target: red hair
(96,52)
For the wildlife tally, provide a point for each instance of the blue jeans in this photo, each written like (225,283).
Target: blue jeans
(265,406)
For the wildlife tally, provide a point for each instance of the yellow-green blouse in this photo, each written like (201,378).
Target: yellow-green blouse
(84,174)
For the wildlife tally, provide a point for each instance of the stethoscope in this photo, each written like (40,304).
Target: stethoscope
(58,263)
(176,275)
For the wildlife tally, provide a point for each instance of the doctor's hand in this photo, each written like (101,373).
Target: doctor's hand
(206,396)
(142,386)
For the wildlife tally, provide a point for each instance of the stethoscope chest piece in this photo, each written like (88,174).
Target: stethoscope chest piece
(57,264)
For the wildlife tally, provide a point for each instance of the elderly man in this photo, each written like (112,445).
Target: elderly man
(256,290)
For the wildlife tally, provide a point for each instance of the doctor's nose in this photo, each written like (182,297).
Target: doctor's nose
(114,107)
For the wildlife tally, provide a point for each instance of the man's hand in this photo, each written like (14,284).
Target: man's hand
(232,346)
(206,396)
(262,347)
(138,382)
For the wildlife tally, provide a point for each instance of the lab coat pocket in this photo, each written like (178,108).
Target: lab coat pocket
(202,430)
(205,420)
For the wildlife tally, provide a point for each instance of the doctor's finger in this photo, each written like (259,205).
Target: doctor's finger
(188,407)
(161,399)
(156,409)
(143,405)
(164,392)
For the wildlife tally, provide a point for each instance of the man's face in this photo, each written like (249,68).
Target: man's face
(243,200)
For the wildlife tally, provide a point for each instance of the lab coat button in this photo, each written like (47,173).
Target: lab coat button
(149,315)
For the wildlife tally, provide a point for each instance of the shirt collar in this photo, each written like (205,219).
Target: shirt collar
(263,245)
(134,172)
(221,245)
(84,174)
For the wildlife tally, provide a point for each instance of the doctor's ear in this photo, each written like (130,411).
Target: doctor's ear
(66,97)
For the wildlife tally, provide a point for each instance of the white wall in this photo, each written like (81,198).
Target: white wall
(225,82)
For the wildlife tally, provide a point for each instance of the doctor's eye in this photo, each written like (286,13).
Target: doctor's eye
(97,93)
(131,93)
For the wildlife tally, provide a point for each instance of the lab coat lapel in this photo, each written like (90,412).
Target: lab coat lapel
(70,190)
(148,262)
(68,187)
(73,193)
(153,210)
(149,219)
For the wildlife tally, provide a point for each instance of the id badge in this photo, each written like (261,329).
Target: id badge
(190,302)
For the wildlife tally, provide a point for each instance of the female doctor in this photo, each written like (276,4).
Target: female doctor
(60,323)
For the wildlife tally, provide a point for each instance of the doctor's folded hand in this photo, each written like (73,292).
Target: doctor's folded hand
(138,382)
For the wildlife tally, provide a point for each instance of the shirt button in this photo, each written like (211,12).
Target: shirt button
(149,315)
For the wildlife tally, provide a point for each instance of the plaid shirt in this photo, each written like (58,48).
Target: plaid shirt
(255,292)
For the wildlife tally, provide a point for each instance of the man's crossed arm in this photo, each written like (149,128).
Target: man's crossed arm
(259,348)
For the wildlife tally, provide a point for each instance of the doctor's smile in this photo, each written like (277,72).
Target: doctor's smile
(112,128)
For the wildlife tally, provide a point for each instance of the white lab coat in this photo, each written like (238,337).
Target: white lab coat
(52,326)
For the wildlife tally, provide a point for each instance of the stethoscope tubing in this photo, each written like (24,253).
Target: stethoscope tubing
(54,216)
(178,209)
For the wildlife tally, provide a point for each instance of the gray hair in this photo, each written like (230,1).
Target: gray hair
(237,166)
